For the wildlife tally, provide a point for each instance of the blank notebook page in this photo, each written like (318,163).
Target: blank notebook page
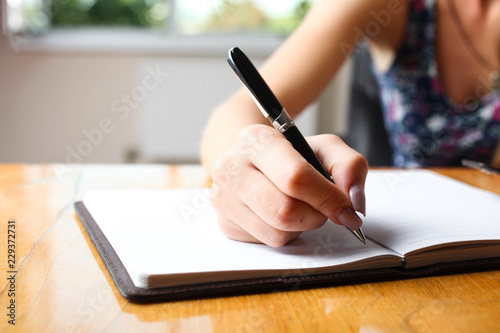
(157,232)
(412,209)
(162,232)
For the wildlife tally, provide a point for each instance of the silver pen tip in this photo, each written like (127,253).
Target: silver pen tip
(360,235)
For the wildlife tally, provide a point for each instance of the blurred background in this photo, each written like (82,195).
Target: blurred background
(121,81)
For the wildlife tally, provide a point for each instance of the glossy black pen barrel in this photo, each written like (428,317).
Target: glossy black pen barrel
(300,144)
(271,109)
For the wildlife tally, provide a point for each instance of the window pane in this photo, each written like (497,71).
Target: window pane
(191,16)
(247,16)
(27,16)
(145,13)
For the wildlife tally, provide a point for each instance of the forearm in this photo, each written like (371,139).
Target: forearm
(297,72)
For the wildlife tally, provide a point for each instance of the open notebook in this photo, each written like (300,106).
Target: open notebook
(165,244)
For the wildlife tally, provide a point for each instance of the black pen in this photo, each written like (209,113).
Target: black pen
(272,109)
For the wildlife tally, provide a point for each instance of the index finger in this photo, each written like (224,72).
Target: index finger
(294,176)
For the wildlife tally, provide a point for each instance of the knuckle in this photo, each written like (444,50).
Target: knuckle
(254,139)
(286,216)
(256,130)
(297,178)
(278,238)
(359,162)
(334,138)
(331,138)
(251,131)
(355,158)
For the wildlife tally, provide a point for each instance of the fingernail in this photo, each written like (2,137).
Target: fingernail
(350,219)
(357,195)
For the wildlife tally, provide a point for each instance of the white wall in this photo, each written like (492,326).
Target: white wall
(48,100)
(174,113)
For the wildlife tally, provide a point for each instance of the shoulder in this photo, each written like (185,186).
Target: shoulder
(361,12)
(381,22)
(325,39)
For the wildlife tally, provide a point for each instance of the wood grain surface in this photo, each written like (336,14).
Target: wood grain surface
(61,284)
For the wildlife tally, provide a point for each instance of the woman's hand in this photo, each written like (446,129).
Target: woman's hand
(264,191)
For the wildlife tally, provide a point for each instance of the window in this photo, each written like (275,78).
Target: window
(135,13)
(25,16)
(181,17)
(243,16)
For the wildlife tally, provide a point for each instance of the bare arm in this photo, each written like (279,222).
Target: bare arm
(273,195)
(302,67)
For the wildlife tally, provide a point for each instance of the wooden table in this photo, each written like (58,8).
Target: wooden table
(62,285)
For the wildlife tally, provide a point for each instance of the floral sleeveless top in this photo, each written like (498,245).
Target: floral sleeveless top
(425,127)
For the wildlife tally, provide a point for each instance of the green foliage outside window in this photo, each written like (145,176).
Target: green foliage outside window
(227,15)
(244,15)
(146,13)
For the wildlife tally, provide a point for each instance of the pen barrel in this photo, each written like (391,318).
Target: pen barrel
(300,144)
